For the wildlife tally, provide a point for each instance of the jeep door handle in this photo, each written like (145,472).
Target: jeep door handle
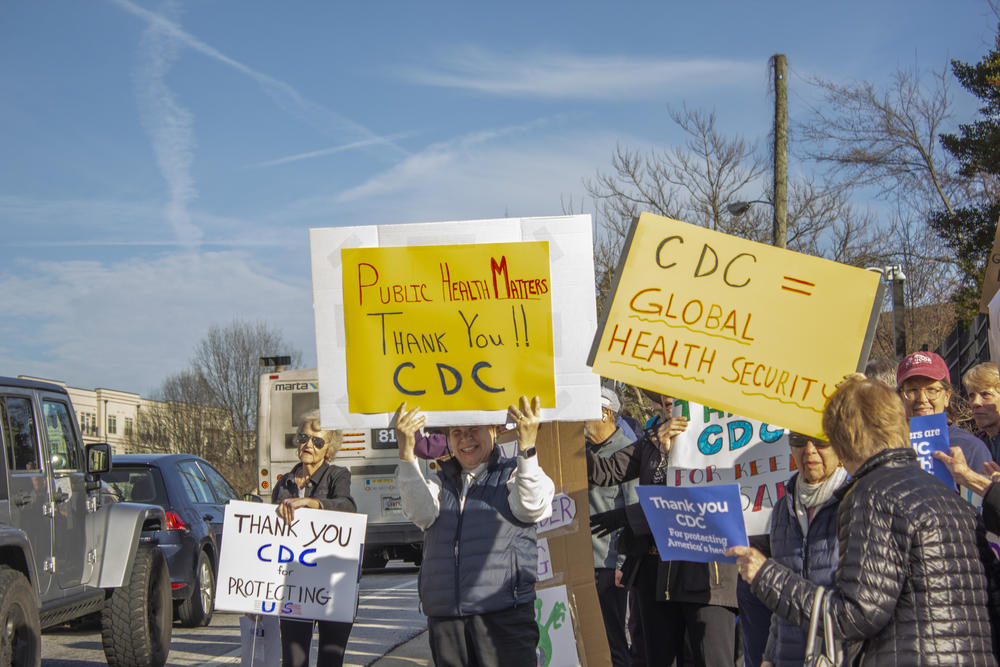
(60,497)
(209,518)
(23,498)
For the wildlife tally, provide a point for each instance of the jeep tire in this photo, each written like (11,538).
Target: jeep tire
(196,609)
(20,628)
(137,619)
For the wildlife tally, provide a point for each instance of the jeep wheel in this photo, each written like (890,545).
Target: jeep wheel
(196,610)
(138,617)
(20,631)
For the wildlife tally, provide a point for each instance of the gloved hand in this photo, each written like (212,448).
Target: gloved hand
(605,523)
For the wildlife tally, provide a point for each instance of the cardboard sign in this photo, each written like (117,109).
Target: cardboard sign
(573,393)
(929,434)
(723,448)
(456,327)
(543,571)
(991,279)
(308,568)
(556,640)
(694,524)
(752,329)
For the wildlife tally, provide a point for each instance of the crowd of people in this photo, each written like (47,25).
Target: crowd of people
(899,561)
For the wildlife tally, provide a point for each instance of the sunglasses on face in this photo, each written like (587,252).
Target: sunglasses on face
(797,440)
(302,438)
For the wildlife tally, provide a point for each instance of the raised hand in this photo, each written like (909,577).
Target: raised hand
(407,423)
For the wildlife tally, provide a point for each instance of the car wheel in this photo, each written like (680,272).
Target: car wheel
(137,619)
(196,610)
(20,628)
(374,561)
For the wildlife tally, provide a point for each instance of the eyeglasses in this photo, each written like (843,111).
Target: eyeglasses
(932,393)
(302,438)
(799,440)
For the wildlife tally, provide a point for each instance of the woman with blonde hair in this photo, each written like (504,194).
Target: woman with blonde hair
(915,582)
(314,483)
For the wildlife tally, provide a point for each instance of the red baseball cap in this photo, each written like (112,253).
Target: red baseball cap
(922,364)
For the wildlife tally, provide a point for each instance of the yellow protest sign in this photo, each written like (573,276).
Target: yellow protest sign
(448,327)
(753,329)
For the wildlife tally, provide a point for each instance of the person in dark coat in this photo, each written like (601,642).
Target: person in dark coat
(916,580)
(314,483)
(804,535)
(681,604)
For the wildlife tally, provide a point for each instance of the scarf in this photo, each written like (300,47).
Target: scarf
(808,496)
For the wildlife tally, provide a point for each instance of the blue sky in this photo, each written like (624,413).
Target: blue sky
(161,162)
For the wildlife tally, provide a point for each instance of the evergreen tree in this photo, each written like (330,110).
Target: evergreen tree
(969,230)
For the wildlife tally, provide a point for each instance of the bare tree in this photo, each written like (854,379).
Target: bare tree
(888,138)
(210,409)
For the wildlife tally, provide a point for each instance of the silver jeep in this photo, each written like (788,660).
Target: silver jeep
(65,553)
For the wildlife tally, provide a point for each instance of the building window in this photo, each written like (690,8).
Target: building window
(112,424)
(88,423)
(128,426)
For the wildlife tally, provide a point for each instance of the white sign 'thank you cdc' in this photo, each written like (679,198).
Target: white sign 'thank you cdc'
(308,568)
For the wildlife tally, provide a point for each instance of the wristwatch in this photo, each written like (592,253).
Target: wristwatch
(527,453)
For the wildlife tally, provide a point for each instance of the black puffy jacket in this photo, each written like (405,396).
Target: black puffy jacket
(916,580)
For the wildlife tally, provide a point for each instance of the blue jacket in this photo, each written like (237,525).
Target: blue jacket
(481,558)
(813,556)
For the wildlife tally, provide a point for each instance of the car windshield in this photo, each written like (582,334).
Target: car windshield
(137,485)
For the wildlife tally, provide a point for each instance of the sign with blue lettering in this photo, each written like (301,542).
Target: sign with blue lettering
(719,447)
(696,523)
(308,568)
(929,434)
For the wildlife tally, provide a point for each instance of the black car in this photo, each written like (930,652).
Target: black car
(192,494)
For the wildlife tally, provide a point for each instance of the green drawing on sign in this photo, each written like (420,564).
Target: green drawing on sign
(556,618)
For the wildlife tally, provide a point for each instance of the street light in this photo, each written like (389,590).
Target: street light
(741,207)
(893,274)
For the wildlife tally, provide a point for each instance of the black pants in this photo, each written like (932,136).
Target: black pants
(613,601)
(296,636)
(499,639)
(710,630)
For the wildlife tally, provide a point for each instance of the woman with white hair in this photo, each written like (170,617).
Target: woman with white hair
(314,483)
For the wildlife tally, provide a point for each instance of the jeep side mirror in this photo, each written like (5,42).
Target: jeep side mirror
(98,458)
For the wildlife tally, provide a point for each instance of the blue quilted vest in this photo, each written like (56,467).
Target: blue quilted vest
(480,559)
(813,556)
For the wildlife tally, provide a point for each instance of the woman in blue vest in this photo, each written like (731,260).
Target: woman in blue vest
(478,514)
(804,535)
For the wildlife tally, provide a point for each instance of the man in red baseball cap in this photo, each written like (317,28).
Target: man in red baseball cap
(923,385)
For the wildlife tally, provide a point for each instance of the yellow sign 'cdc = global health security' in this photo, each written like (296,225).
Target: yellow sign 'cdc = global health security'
(756,330)
(448,327)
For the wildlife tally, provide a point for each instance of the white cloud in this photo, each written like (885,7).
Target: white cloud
(333,150)
(128,325)
(576,76)
(284,95)
(170,129)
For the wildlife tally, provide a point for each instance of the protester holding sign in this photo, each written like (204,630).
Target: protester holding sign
(317,484)
(804,535)
(915,580)
(604,437)
(922,382)
(678,600)
(478,514)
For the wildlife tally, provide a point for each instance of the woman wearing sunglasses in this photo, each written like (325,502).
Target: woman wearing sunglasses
(314,483)
(804,534)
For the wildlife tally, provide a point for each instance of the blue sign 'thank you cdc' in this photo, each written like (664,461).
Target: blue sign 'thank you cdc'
(929,434)
(694,523)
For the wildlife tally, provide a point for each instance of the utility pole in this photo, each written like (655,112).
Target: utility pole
(780,228)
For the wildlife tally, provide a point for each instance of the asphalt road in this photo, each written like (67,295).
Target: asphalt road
(388,615)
